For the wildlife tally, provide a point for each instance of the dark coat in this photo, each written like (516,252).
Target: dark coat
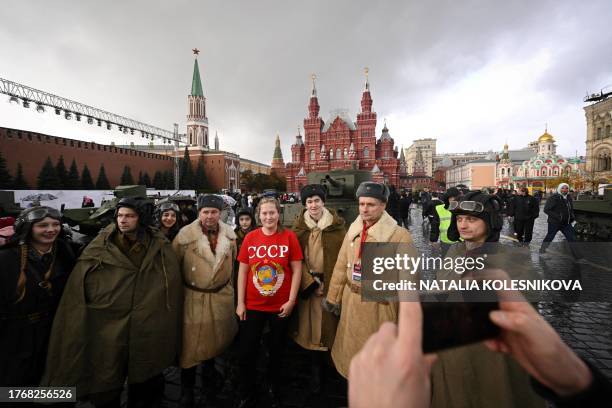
(393,204)
(116,320)
(25,326)
(524,207)
(560,210)
(404,206)
(429,208)
(425,197)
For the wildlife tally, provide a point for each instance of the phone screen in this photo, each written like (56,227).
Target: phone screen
(453,324)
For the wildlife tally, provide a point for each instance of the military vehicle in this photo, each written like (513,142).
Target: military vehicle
(341,186)
(8,207)
(187,205)
(88,221)
(594,216)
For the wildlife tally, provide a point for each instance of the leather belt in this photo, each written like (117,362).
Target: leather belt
(211,290)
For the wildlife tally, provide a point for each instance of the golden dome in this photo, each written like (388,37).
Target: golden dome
(546,137)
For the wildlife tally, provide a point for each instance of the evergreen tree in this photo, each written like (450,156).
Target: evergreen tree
(146,180)
(86,180)
(102,182)
(158,180)
(200,182)
(62,173)
(73,181)
(248,179)
(47,178)
(140,179)
(168,180)
(20,183)
(6,181)
(187,176)
(126,177)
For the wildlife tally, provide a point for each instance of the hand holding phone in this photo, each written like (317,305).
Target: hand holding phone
(537,347)
(454,324)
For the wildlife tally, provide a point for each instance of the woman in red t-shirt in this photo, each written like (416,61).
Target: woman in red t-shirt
(268,281)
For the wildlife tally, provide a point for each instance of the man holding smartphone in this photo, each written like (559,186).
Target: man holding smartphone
(472,375)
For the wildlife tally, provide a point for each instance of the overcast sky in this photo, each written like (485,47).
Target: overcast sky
(472,74)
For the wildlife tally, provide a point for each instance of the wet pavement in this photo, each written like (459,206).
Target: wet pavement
(585,326)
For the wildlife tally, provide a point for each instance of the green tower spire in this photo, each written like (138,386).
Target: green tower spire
(196,83)
(278,154)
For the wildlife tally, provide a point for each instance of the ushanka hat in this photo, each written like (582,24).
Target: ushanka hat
(210,201)
(312,190)
(374,190)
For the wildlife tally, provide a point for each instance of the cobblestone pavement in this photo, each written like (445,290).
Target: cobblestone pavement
(586,327)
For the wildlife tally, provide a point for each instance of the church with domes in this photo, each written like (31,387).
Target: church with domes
(534,172)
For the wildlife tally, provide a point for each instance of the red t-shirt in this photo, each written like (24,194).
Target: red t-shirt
(268,282)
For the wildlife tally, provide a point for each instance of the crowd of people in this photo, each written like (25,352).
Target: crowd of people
(151,291)
(519,206)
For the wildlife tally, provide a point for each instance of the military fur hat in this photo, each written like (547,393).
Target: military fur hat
(312,190)
(211,201)
(374,190)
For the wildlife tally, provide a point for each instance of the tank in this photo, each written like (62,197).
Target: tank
(8,207)
(88,221)
(594,216)
(341,187)
(187,205)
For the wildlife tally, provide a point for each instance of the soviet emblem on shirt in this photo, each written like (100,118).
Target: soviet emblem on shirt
(268,277)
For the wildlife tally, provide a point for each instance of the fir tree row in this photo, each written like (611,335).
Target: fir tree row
(58,177)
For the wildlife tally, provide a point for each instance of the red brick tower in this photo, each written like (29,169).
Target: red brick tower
(366,123)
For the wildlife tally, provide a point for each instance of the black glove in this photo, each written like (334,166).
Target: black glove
(306,293)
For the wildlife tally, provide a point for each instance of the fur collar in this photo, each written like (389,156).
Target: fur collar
(382,231)
(192,234)
(325,221)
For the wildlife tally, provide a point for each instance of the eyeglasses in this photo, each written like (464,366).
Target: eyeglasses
(471,206)
(40,213)
(168,206)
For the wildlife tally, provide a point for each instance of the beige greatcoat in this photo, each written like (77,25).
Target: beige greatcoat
(209,323)
(359,320)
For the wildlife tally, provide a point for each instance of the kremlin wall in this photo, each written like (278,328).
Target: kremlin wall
(32,149)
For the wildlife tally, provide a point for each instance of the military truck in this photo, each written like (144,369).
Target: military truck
(594,216)
(88,221)
(341,186)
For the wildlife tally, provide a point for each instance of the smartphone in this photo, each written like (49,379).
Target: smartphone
(453,324)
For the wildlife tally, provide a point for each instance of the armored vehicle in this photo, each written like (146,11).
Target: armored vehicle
(594,216)
(8,207)
(90,220)
(341,187)
(187,205)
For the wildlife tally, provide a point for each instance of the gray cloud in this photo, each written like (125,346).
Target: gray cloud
(134,58)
